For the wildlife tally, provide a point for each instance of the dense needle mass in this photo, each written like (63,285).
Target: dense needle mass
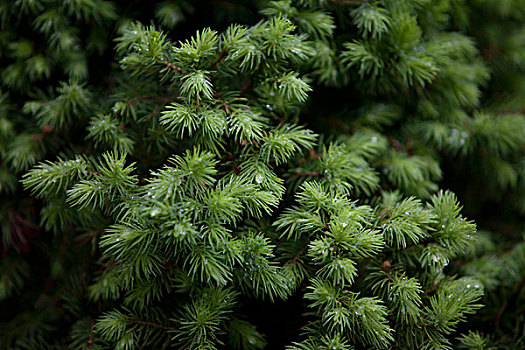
(167,169)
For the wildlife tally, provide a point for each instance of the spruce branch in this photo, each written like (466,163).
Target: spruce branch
(171,65)
(191,169)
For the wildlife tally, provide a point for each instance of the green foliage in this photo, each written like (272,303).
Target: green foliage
(295,158)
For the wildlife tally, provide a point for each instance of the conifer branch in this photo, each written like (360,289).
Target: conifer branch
(251,202)
(172,66)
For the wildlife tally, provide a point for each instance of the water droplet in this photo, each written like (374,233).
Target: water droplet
(359,310)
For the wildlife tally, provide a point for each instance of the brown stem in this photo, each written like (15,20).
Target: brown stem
(250,81)
(90,340)
(21,231)
(293,261)
(167,265)
(510,302)
(46,129)
(300,172)
(147,97)
(397,145)
(489,52)
(236,169)
(434,287)
(155,111)
(156,325)
(314,155)
(423,242)
(383,213)
(172,66)
(157,136)
(247,86)
(89,172)
(226,106)
(221,56)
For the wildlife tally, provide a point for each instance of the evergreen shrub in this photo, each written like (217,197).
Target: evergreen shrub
(270,174)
